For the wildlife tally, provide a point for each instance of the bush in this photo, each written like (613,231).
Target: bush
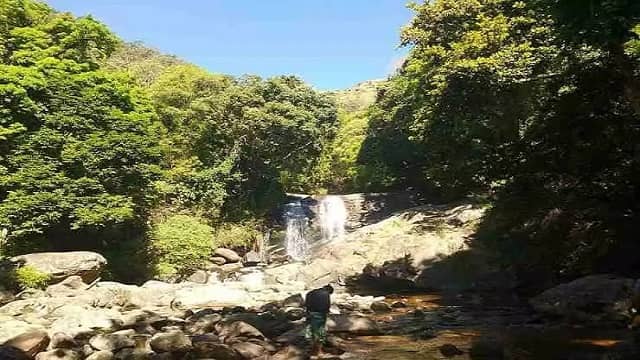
(237,235)
(28,277)
(179,245)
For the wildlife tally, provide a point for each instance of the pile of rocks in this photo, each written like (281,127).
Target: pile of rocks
(69,322)
(225,264)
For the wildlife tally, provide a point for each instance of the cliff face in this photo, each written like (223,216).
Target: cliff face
(423,247)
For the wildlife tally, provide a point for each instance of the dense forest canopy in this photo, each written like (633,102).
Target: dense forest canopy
(535,102)
(98,138)
(533,106)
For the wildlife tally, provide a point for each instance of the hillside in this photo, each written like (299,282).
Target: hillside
(359,96)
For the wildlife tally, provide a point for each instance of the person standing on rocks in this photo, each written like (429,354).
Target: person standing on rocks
(318,303)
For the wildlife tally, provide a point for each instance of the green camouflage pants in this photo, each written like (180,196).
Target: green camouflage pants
(316,327)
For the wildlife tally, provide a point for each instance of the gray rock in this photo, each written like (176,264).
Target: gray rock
(199,277)
(67,287)
(62,341)
(218,260)
(101,355)
(31,342)
(252,258)
(380,307)
(112,342)
(58,354)
(9,328)
(293,301)
(249,350)
(134,354)
(269,324)
(450,350)
(61,265)
(291,352)
(594,298)
(229,255)
(237,329)
(209,346)
(210,295)
(203,324)
(294,314)
(5,296)
(174,341)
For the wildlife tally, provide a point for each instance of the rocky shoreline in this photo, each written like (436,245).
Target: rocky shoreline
(232,312)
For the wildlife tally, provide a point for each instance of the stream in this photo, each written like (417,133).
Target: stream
(488,326)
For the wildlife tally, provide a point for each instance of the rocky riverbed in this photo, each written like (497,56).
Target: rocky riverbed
(408,287)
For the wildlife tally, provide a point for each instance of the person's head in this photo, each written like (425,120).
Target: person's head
(328,288)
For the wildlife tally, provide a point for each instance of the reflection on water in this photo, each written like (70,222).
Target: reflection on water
(483,327)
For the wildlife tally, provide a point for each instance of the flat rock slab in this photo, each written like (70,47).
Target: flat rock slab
(60,265)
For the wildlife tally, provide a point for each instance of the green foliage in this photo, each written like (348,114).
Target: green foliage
(144,64)
(359,97)
(231,140)
(28,277)
(180,244)
(537,102)
(237,235)
(78,146)
(338,168)
(96,135)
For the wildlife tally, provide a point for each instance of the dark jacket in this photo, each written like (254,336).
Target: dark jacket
(318,300)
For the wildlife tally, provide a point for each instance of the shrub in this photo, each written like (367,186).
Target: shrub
(237,235)
(28,277)
(180,244)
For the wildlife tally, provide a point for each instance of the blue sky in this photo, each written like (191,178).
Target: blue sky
(332,44)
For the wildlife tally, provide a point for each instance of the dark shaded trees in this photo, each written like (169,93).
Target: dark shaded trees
(534,102)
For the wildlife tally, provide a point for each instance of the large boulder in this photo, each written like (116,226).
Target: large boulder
(228,254)
(213,295)
(75,320)
(249,350)
(67,287)
(174,341)
(112,342)
(61,265)
(593,298)
(30,343)
(252,258)
(58,354)
(11,327)
(236,329)
(101,355)
(62,341)
(199,277)
(208,346)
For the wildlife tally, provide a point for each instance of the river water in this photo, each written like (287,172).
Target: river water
(480,326)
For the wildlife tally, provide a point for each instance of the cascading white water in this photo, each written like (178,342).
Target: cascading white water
(296,243)
(332,214)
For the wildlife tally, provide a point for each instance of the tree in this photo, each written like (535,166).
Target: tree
(240,137)
(78,146)
(534,102)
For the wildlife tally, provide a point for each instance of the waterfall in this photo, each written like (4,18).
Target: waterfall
(332,214)
(296,243)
